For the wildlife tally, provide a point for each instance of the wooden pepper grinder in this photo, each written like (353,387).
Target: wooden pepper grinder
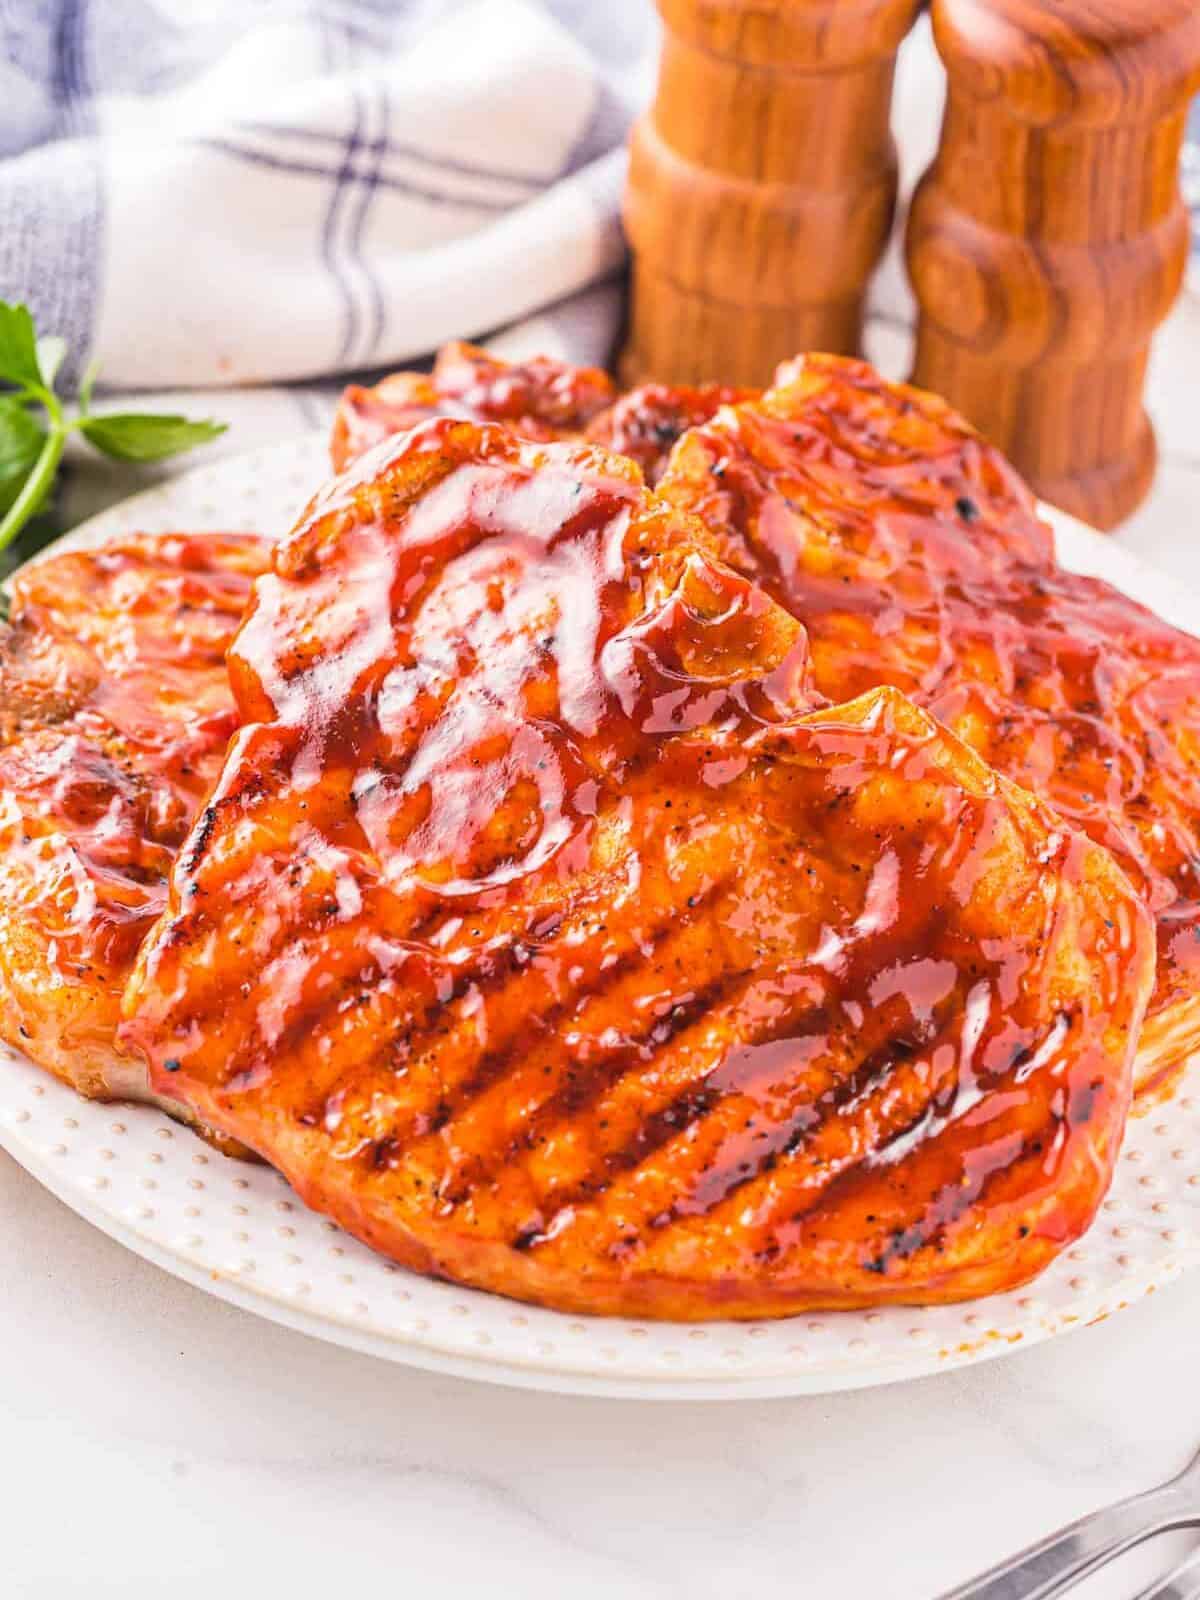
(1049,239)
(762,184)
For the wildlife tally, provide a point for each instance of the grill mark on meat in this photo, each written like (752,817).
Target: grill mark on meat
(844,1176)
(1081,1099)
(729,1170)
(733,987)
(600,1076)
(687,1108)
(921,1229)
(486,974)
(743,1160)
(493,1065)
(581,1093)
(770,1145)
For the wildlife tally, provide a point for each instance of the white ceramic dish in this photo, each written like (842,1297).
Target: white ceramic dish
(238,1232)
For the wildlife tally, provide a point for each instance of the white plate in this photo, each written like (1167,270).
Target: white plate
(238,1231)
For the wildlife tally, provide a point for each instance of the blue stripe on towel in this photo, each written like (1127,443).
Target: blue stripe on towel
(359,257)
(344,176)
(327,170)
(441,163)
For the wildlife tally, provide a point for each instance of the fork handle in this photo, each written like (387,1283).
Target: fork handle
(1050,1568)
(1182,1584)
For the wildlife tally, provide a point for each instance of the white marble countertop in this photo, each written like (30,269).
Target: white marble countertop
(156,1442)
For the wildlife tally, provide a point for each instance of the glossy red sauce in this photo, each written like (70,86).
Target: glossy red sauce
(115,710)
(645,423)
(541,933)
(134,634)
(539,399)
(914,557)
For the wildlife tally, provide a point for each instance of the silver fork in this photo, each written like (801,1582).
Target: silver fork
(1182,1584)
(1050,1568)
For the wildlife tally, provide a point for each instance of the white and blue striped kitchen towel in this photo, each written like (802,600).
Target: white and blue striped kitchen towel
(217,192)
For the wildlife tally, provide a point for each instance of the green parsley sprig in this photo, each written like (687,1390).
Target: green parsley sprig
(34,425)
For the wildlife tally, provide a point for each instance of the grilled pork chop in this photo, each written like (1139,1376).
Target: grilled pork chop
(540,932)
(539,399)
(115,710)
(913,555)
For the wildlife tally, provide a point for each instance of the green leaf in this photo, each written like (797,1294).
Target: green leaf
(50,353)
(127,436)
(18,346)
(21,440)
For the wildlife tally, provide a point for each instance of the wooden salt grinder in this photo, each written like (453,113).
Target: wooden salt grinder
(1049,239)
(762,184)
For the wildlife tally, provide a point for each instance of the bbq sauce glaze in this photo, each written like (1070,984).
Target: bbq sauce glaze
(115,710)
(913,555)
(548,930)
